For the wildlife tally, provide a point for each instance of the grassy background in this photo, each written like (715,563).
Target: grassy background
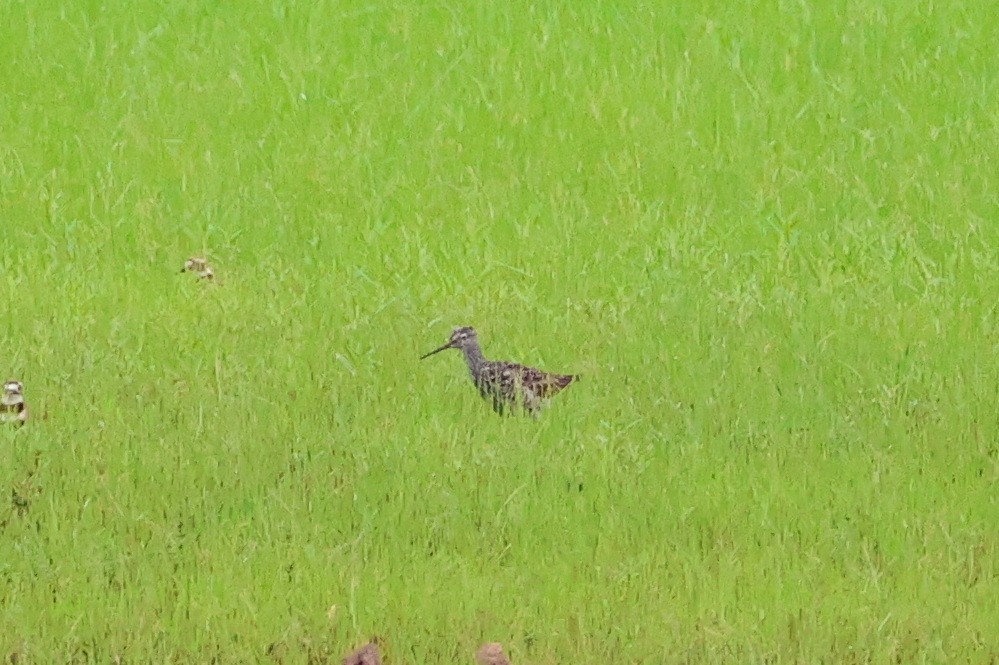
(765,233)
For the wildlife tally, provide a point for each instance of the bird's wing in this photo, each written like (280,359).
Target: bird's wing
(543,384)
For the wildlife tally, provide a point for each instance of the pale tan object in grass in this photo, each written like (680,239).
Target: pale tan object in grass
(13,408)
(199,265)
(366,655)
(491,653)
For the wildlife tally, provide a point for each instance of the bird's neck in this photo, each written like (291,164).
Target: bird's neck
(473,357)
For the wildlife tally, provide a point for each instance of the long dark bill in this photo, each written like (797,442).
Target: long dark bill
(438,350)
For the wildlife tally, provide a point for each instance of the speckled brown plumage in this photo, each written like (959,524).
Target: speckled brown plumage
(200,266)
(491,653)
(508,386)
(368,654)
(13,408)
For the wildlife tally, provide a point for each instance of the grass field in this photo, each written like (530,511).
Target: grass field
(766,234)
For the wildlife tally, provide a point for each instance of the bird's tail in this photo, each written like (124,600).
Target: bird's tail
(565,380)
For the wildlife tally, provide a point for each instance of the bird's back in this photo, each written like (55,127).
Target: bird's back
(508,384)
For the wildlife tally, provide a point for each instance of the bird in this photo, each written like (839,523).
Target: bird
(491,653)
(509,386)
(369,654)
(199,265)
(12,406)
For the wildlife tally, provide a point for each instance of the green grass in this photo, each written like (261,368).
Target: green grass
(766,234)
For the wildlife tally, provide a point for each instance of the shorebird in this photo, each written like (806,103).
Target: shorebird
(369,654)
(491,653)
(200,266)
(12,406)
(508,386)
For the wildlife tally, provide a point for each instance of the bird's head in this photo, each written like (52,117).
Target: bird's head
(461,338)
(13,392)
